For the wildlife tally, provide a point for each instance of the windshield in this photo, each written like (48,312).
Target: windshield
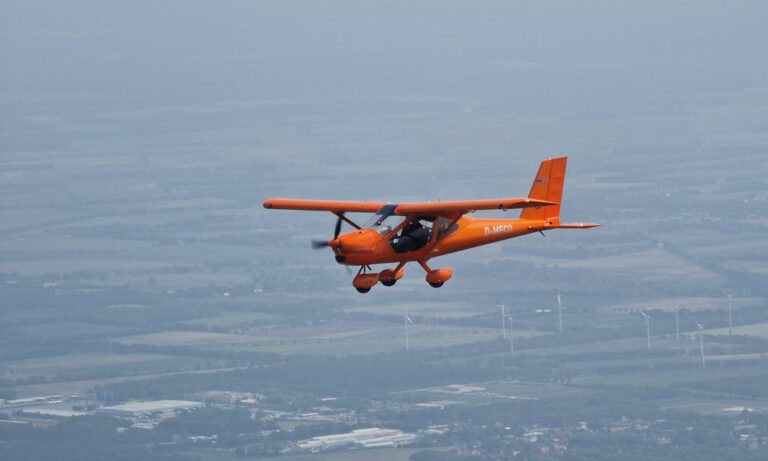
(384,220)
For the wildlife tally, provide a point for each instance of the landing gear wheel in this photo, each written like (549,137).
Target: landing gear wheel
(388,283)
(363,290)
(436,285)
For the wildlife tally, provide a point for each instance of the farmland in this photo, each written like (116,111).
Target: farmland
(137,263)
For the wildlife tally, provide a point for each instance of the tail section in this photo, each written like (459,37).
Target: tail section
(548,186)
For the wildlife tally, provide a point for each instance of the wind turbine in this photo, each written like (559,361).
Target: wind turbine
(559,314)
(406,320)
(511,336)
(503,325)
(647,328)
(730,313)
(701,345)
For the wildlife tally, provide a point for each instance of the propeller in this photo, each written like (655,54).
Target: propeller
(337,229)
(318,244)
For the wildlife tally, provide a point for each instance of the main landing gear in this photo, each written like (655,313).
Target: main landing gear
(437,277)
(364,280)
(388,277)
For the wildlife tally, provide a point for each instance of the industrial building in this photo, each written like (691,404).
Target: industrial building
(53,412)
(138,409)
(373,437)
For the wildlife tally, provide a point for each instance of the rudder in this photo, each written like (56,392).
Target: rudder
(548,185)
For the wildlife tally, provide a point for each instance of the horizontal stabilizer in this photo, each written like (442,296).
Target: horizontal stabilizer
(574,226)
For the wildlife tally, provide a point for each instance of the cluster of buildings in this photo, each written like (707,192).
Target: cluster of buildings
(147,415)
(47,410)
(373,437)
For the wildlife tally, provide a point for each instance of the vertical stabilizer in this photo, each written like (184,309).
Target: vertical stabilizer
(548,185)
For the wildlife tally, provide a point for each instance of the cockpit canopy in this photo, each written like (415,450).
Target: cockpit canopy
(384,220)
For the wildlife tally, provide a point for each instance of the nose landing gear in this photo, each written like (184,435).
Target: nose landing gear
(363,281)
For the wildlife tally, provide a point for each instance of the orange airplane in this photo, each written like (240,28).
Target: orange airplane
(400,233)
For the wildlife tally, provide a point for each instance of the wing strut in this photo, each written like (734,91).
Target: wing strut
(347,220)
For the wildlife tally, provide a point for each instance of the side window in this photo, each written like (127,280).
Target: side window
(414,236)
(442,227)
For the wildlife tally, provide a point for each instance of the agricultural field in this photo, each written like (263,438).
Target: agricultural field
(758,330)
(359,346)
(229,320)
(425,309)
(78,361)
(496,391)
(334,339)
(137,262)
(714,406)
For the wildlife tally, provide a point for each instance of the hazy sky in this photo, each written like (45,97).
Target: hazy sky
(200,51)
(539,78)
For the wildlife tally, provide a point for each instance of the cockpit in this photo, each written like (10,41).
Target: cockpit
(413,236)
(384,220)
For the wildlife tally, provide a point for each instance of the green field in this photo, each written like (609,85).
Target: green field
(186,338)
(229,319)
(71,330)
(496,391)
(730,407)
(75,361)
(670,378)
(358,346)
(425,309)
(759,330)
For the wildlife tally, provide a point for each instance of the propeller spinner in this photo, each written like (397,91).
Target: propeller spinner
(318,244)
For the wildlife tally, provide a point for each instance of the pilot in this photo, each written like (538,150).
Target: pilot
(413,237)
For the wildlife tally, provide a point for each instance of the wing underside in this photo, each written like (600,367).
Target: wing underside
(435,208)
(405,209)
(323,205)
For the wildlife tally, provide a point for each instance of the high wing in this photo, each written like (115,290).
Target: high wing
(323,205)
(462,207)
